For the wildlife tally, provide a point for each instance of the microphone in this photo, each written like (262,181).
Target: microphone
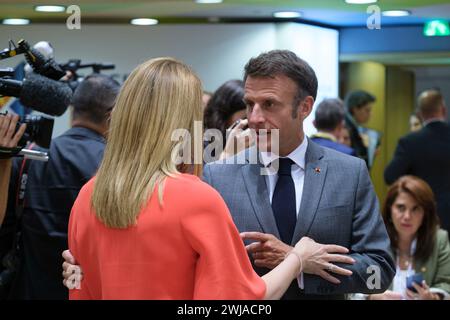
(45,67)
(39,93)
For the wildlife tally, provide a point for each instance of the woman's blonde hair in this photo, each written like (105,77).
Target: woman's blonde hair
(159,97)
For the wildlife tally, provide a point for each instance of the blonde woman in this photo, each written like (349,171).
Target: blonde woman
(145,229)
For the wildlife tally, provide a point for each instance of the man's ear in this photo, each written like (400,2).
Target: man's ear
(306,106)
(339,129)
(444,111)
(419,115)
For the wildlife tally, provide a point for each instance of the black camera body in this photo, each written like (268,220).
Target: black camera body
(39,130)
(6,72)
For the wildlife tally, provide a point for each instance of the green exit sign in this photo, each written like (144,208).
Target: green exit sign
(436,28)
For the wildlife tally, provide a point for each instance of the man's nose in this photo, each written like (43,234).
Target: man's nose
(255,115)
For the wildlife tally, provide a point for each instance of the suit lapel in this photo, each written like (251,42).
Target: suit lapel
(315,173)
(259,197)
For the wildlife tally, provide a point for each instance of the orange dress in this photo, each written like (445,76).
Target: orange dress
(188,248)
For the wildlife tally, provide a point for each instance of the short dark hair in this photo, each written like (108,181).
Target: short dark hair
(329,114)
(422,193)
(95,97)
(224,102)
(358,99)
(287,63)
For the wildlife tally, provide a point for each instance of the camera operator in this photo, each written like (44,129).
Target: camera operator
(53,186)
(9,138)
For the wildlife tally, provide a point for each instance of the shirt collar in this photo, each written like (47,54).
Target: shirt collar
(298,155)
(427,122)
(324,135)
(85,132)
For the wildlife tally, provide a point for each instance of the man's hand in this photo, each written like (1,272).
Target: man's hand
(72,273)
(8,140)
(8,135)
(267,251)
(317,259)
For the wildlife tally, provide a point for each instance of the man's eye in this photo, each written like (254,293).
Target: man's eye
(268,104)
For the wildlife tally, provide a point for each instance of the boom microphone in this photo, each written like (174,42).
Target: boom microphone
(41,65)
(39,93)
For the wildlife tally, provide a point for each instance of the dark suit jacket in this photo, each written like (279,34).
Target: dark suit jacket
(426,154)
(338,206)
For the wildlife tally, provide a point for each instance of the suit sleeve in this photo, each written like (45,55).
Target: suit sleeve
(374,268)
(207,175)
(223,269)
(399,165)
(442,277)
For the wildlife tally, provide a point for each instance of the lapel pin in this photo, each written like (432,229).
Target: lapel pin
(317,170)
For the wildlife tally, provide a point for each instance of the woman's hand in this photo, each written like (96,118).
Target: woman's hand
(72,272)
(238,139)
(423,292)
(317,259)
(387,295)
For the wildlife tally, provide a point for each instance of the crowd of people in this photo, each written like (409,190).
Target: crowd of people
(139,225)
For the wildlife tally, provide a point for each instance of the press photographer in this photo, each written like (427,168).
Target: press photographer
(9,137)
(51,188)
(39,91)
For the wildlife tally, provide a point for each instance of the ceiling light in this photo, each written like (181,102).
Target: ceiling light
(144,22)
(287,14)
(16,22)
(396,13)
(360,1)
(208,1)
(50,8)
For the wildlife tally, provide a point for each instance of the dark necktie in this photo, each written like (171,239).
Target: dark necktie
(283,201)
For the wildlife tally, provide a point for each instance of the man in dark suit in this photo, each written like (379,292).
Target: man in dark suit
(426,153)
(329,122)
(314,191)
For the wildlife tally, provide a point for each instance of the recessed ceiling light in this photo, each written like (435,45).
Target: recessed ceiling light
(396,13)
(287,14)
(50,8)
(208,1)
(360,1)
(144,22)
(214,19)
(16,22)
